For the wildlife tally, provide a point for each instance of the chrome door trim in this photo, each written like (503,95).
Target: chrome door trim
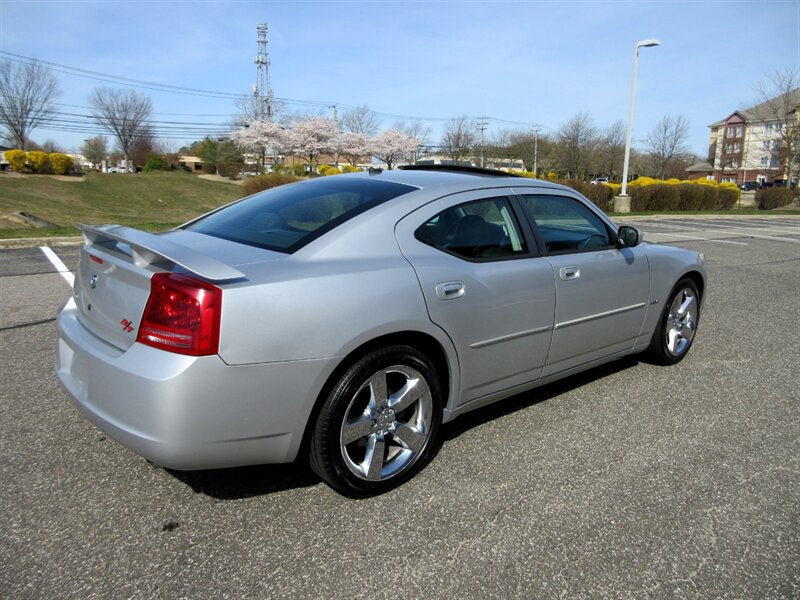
(511,336)
(608,313)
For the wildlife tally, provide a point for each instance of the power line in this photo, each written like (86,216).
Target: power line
(182,90)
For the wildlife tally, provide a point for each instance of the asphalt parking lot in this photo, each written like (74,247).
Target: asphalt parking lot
(629,481)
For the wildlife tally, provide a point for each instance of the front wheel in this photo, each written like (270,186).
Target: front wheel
(678,324)
(377,427)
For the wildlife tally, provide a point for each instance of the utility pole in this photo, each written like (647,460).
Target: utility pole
(263,97)
(482,124)
(336,122)
(536,151)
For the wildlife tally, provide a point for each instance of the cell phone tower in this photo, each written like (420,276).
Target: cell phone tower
(262,90)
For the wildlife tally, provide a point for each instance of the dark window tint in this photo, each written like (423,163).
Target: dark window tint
(565,224)
(288,217)
(481,229)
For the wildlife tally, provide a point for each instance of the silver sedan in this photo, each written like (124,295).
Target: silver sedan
(344,319)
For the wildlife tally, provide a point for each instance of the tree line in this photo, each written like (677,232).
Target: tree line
(577,149)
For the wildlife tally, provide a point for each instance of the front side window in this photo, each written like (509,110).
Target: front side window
(483,229)
(288,217)
(565,225)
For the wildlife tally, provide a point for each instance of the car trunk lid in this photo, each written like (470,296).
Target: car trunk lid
(112,283)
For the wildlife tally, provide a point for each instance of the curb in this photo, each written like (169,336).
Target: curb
(43,241)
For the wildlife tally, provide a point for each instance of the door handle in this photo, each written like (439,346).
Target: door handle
(450,290)
(567,273)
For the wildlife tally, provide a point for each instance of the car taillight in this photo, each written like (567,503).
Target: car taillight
(182,315)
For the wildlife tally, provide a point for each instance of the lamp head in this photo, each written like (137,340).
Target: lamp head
(648,43)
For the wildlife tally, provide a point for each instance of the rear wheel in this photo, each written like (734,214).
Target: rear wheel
(678,324)
(378,424)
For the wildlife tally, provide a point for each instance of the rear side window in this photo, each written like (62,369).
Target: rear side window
(483,229)
(565,225)
(288,217)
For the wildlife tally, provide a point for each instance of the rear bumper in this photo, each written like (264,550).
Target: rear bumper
(187,412)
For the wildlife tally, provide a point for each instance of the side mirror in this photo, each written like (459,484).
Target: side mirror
(628,236)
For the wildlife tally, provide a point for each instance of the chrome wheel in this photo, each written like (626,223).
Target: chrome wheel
(681,322)
(387,423)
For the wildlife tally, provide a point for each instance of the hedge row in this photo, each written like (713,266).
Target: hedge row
(684,196)
(38,162)
(260,183)
(775,197)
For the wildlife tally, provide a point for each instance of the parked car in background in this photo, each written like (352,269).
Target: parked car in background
(749,186)
(346,318)
(597,180)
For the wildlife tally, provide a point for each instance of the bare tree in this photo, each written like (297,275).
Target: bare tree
(27,94)
(458,138)
(95,149)
(576,143)
(780,97)
(361,120)
(667,140)
(124,114)
(416,129)
(612,150)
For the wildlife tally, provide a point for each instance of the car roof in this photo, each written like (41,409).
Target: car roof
(428,176)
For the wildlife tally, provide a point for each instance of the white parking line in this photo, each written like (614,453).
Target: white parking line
(61,268)
(694,238)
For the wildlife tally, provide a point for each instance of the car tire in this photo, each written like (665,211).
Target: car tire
(378,425)
(677,326)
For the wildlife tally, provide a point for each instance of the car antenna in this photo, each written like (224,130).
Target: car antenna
(375,171)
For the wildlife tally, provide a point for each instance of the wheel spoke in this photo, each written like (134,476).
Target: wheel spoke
(377,390)
(355,430)
(413,390)
(673,340)
(409,437)
(373,460)
(687,302)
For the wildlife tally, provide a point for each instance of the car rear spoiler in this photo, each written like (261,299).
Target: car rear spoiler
(149,249)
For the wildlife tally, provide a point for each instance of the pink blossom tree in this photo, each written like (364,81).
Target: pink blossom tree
(264,138)
(353,146)
(312,136)
(393,145)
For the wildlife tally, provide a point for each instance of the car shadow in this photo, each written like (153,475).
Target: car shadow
(247,482)
(532,397)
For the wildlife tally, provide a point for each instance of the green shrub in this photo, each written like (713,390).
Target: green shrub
(300,170)
(600,195)
(154,163)
(17,159)
(264,182)
(349,169)
(38,161)
(60,163)
(229,169)
(768,198)
(727,198)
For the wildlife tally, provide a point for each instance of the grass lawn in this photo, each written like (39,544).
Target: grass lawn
(150,201)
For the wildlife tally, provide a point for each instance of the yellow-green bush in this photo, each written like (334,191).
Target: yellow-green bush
(17,159)
(60,163)
(727,198)
(349,169)
(38,161)
(656,196)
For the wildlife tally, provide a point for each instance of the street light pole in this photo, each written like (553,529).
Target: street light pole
(643,44)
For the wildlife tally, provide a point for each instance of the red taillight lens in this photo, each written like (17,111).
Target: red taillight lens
(182,315)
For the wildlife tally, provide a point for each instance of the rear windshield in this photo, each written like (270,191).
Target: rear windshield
(288,217)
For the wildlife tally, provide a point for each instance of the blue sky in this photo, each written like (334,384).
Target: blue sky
(526,62)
